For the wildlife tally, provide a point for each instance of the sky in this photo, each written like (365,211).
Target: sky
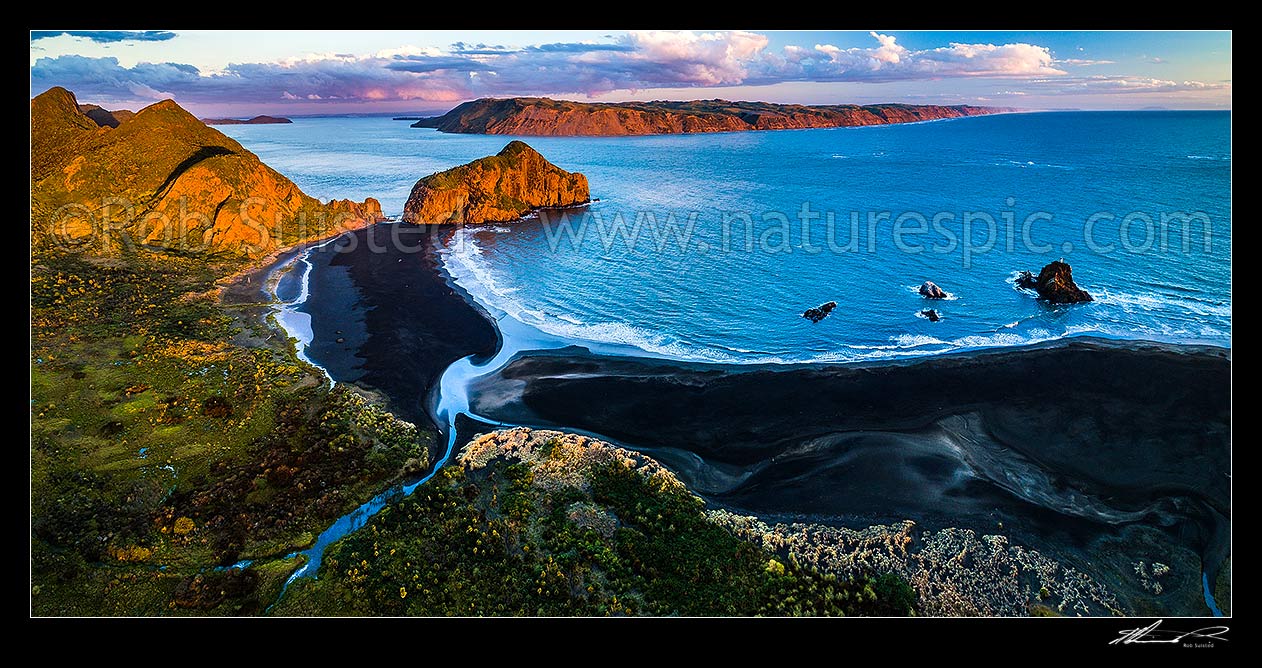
(313,72)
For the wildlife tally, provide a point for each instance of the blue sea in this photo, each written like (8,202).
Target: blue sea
(709,247)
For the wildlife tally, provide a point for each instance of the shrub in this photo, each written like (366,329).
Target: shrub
(183,526)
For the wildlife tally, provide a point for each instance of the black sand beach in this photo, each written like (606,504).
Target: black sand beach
(402,323)
(1102,453)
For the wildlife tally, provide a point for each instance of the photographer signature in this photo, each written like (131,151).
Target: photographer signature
(1153,634)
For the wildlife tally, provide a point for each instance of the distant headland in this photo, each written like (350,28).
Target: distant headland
(540,116)
(257,120)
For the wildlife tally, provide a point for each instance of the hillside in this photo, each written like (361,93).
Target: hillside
(163,179)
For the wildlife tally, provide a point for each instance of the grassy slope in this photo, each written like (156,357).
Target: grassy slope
(160,448)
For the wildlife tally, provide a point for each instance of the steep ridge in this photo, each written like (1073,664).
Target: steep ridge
(164,179)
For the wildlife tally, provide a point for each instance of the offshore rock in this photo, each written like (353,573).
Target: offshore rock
(931,291)
(820,312)
(1055,285)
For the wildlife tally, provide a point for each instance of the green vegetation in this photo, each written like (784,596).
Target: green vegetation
(168,438)
(172,437)
(497,541)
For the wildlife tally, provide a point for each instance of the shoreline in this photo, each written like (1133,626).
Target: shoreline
(238,287)
(755,443)
(401,320)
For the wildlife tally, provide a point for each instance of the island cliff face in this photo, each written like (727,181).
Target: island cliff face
(500,188)
(546,117)
(163,179)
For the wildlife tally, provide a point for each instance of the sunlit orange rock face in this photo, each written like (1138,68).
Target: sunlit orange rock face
(500,188)
(163,179)
(545,117)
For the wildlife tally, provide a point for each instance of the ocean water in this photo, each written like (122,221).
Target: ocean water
(698,247)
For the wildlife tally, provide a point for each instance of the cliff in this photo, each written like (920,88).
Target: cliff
(499,188)
(543,116)
(163,179)
(257,120)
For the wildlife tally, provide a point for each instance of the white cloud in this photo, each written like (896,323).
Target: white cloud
(146,92)
(1123,84)
(705,59)
(409,50)
(1084,62)
(890,61)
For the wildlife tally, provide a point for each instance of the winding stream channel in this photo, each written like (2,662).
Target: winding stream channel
(448,402)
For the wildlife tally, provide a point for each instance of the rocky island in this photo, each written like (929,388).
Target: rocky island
(257,120)
(541,116)
(496,189)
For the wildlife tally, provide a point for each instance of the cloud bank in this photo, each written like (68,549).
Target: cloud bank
(631,62)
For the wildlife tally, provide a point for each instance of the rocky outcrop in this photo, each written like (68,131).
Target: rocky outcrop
(257,120)
(1055,285)
(930,290)
(369,209)
(500,188)
(820,312)
(931,315)
(953,571)
(560,460)
(543,116)
(164,180)
(1027,281)
(104,117)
